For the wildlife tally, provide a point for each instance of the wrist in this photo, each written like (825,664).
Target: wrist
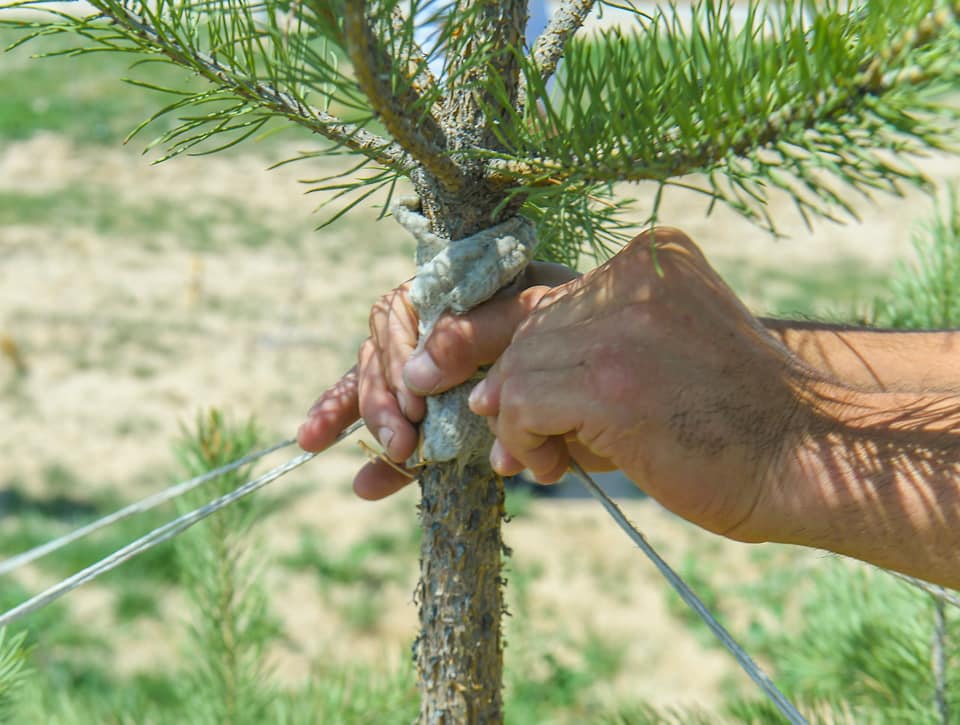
(801,502)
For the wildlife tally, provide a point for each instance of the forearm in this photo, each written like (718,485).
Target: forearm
(875,359)
(875,476)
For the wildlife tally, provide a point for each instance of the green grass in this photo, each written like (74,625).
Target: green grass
(85,97)
(214,227)
(369,562)
(538,692)
(82,98)
(359,573)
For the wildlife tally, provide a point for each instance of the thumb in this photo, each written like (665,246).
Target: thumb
(459,345)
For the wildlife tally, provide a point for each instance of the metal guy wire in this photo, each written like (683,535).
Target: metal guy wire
(144,504)
(746,662)
(934,590)
(157,536)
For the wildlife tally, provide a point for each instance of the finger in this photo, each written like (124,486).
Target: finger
(395,333)
(378,480)
(460,344)
(534,410)
(588,459)
(334,410)
(547,462)
(506,465)
(379,409)
(502,462)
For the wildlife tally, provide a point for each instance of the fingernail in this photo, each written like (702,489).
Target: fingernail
(385,435)
(421,373)
(478,395)
(497,457)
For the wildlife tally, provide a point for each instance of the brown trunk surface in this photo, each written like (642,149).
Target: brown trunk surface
(459,652)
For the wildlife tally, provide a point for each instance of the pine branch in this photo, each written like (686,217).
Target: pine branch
(421,79)
(806,113)
(550,46)
(483,67)
(422,138)
(228,677)
(150,34)
(747,110)
(259,95)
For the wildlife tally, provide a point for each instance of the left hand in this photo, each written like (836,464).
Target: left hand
(389,394)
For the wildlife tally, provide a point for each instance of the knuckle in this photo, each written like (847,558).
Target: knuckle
(366,352)
(518,408)
(531,296)
(512,394)
(378,314)
(663,236)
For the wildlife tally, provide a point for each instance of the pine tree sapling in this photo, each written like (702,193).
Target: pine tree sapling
(926,293)
(226,680)
(12,673)
(811,98)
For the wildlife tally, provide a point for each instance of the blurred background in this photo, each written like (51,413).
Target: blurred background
(134,297)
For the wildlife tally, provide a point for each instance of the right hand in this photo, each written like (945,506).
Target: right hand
(651,364)
(389,395)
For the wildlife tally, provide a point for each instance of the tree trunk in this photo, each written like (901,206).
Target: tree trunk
(459,651)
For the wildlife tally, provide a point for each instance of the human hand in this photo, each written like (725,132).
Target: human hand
(651,363)
(388,393)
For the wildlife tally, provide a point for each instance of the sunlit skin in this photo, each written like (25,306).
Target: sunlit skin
(760,430)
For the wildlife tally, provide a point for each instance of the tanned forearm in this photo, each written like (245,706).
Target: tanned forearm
(882,360)
(876,476)
(874,469)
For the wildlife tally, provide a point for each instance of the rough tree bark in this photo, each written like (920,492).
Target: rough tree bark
(459,651)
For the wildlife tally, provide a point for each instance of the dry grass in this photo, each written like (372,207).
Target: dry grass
(132,296)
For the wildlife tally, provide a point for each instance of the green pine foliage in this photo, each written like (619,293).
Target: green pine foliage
(800,98)
(863,643)
(226,679)
(845,641)
(925,294)
(805,97)
(12,673)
